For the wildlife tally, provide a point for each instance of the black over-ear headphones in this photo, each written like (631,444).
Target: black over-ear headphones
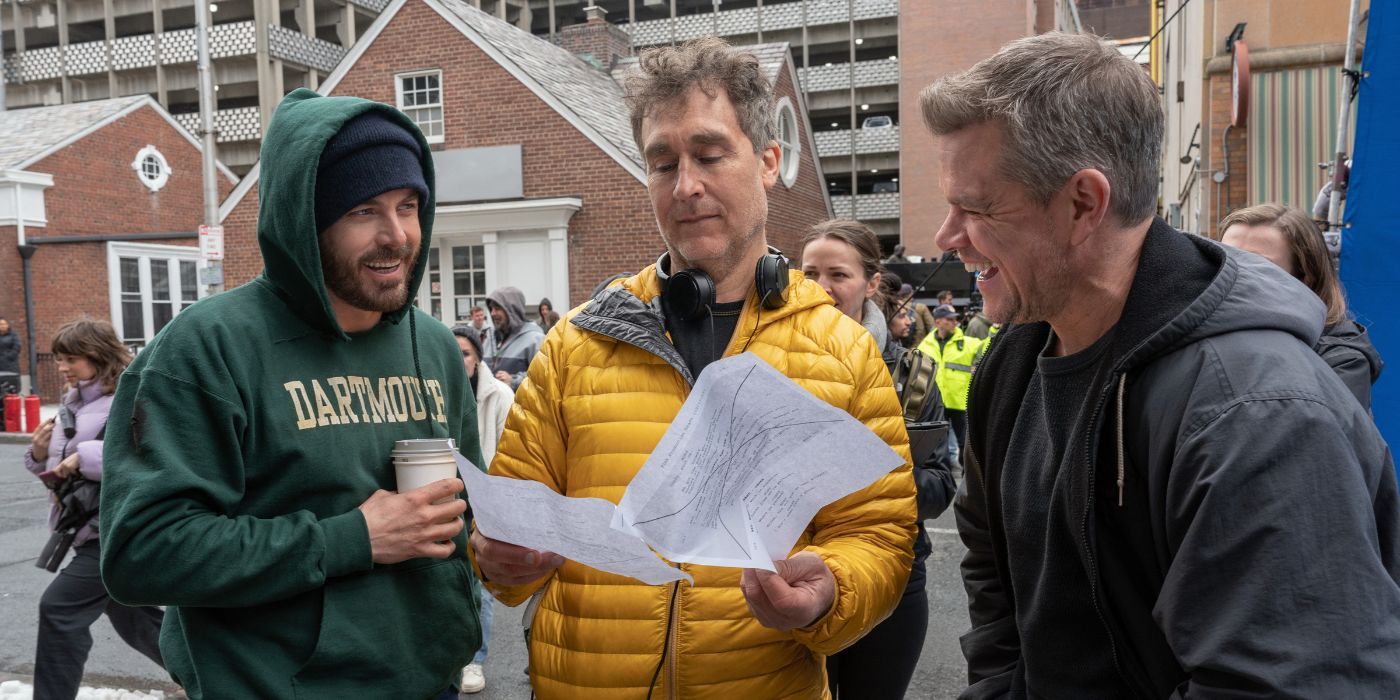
(689,294)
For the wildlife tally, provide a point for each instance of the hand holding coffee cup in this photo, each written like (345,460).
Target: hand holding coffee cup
(418,463)
(416,523)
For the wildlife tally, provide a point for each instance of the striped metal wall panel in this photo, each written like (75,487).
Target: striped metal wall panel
(1292,128)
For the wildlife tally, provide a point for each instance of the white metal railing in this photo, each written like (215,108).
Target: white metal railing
(868,141)
(869,207)
(746,21)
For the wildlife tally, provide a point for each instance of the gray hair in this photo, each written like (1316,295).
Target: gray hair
(1065,102)
(667,73)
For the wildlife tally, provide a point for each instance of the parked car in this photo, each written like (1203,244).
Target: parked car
(877,123)
(886,186)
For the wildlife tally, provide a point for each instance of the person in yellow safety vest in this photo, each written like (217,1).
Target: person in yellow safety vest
(955,354)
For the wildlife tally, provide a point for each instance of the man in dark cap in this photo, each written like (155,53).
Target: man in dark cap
(955,354)
(248,479)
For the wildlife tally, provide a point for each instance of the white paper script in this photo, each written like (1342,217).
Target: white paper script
(746,464)
(530,514)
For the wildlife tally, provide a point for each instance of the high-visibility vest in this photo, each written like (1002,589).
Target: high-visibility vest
(955,360)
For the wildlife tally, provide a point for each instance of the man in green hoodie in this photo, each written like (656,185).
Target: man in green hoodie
(249,482)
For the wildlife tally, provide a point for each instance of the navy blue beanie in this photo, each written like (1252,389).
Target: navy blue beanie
(370,155)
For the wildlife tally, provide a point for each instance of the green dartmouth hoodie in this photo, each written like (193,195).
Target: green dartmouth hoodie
(242,441)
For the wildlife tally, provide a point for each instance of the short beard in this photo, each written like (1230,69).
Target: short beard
(1047,301)
(342,278)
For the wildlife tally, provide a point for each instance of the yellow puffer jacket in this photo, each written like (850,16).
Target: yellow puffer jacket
(590,412)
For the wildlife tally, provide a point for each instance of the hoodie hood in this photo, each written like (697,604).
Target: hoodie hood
(302,125)
(1219,290)
(512,300)
(874,321)
(1350,334)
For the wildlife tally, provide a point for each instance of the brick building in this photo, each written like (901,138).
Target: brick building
(540,185)
(106,198)
(1273,152)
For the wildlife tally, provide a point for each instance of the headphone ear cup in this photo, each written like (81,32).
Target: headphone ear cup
(689,293)
(771,280)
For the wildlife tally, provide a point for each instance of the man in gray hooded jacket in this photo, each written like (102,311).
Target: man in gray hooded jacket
(515,340)
(1168,493)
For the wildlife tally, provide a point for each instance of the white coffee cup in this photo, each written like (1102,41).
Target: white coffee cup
(420,462)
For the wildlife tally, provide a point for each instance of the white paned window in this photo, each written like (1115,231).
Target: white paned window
(149,285)
(789,142)
(419,95)
(466,281)
(152,168)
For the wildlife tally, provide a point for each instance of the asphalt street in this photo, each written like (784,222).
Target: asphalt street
(23,531)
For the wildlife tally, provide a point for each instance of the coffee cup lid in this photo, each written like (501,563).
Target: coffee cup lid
(423,445)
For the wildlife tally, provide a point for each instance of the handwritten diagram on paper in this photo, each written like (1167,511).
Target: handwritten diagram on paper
(744,467)
(530,514)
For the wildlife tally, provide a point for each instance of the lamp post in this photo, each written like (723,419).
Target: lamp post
(206,132)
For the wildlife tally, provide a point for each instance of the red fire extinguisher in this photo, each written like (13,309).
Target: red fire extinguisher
(31,413)
(12,413)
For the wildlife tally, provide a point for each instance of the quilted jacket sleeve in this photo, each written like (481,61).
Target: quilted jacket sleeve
(867,538)
(532,446)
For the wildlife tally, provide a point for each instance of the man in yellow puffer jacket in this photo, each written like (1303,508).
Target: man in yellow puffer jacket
(610,378)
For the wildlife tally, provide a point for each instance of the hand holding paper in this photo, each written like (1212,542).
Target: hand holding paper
(738,476)
(509,564)
(799,594)
(529,514)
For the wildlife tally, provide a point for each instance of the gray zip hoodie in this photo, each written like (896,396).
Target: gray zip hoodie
(513,345)
(1233,507)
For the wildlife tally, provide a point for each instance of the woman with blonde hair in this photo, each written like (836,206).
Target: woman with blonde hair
(843,256)
(90,357)
(1288,238)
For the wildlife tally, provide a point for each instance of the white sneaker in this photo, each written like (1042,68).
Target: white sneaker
(473,679)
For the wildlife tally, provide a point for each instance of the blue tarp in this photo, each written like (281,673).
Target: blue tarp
(1371,240)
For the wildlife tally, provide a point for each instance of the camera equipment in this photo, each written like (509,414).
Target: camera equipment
(68,420)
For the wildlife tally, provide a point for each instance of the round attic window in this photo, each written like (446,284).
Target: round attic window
(151,168)
(789,142)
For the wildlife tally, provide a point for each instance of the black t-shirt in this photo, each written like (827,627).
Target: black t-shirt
(702,340)
(1050,587)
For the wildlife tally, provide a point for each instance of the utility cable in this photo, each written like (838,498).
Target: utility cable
(1159,29)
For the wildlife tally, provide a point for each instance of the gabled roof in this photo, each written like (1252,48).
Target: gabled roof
(589,99)
(28,135)
(586,91)
(33,134)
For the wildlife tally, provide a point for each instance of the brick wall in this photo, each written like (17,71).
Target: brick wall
(793,210)
(938,38)
(615,231)
(1234,192)
(95,191)
(599,39)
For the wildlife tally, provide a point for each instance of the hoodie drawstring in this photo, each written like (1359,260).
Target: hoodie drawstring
(418,372)
(1122,383)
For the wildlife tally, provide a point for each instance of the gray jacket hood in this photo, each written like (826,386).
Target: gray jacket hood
(1353,336)
(874,321)
(512,300)
(1246,292)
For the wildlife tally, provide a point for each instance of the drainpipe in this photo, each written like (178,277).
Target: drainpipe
(1334,223)
(26,252)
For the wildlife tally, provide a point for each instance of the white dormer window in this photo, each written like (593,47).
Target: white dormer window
(789,142)
(419,95)
(151,168)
